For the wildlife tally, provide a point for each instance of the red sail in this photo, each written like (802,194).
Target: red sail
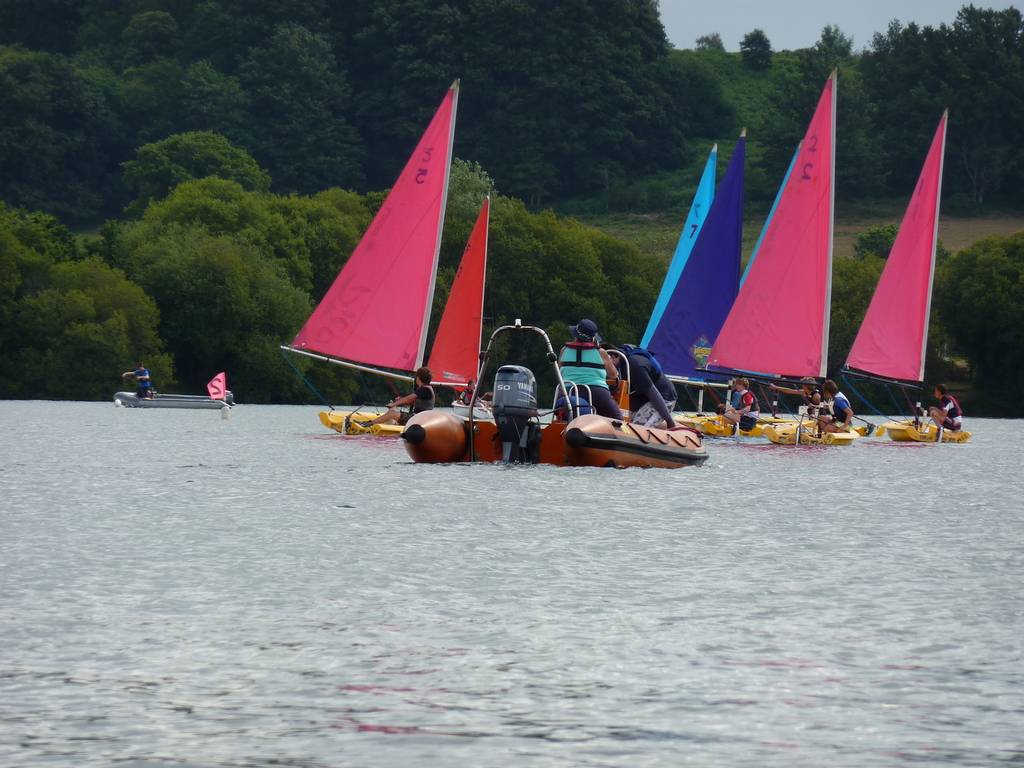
(891,340)
(376,311)
(455,356)
(779,322)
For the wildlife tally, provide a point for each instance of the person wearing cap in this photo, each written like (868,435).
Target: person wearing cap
(808,391)
(585,364)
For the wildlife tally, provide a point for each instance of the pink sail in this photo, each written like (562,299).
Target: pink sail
(376,311)
(455,356)
(891,340)
(217,386)
(779,321)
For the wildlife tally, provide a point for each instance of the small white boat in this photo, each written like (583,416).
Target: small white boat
(480,411)
(160,400)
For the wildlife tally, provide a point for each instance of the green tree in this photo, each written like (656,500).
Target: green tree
(299,101)
(224,306)
(216,102)
(53,145)
(68,327)
(833,47)
(876,241)
(756,50)
(41,25)
(979,294)
(975,67)
(148,36)
(710,42)
(151,97)
(161,166)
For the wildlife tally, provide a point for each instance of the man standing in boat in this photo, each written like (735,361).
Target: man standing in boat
(143,382)
(421,399)
(589,367)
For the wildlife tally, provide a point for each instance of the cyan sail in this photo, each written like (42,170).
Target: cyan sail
(691,230)
(707,287)
(775,204)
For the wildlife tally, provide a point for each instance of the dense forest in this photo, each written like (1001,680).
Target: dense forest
(181,180)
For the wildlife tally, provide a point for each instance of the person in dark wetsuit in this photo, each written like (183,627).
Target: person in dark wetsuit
(651,395)
(143,381)
(584,363)
(421,399)
(947,414)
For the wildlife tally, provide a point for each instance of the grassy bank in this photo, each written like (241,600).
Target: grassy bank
(657,233)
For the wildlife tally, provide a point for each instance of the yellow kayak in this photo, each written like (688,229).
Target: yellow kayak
(906,432)
(785,434)
(716,426)
(346,422)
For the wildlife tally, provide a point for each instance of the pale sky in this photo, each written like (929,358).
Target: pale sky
(797,24)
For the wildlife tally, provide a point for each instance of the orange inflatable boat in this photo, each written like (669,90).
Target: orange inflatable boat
(517,435)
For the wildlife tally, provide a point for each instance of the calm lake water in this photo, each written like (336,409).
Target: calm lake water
(176,589)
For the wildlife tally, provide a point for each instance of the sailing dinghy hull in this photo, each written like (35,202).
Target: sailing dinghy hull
(131,400)
(902,432)
(785,434)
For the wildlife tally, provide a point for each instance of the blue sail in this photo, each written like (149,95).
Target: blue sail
(775,204)
(707,288)
(702,200)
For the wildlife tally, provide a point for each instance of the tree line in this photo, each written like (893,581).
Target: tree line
(561,100)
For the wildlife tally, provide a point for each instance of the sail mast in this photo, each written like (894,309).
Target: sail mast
(831,232)
(440,227)
(935,245)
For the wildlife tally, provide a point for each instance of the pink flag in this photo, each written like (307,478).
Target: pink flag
(218,386)
(376,311)
(891,340)
(779,322)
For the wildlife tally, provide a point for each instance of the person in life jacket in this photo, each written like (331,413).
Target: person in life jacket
(651,395)
(421,399)
(808,392)
(143,381)
(840,412)
(584,363)
(947,414)
(742,408)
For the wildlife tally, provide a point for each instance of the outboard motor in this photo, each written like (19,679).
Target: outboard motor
(515,412)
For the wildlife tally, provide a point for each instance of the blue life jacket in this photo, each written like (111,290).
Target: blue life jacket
(839,406)
(142,383)
(630,349)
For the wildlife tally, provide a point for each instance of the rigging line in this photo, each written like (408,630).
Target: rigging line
(690,397)
(306,381)
(766,399)
(853,388)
